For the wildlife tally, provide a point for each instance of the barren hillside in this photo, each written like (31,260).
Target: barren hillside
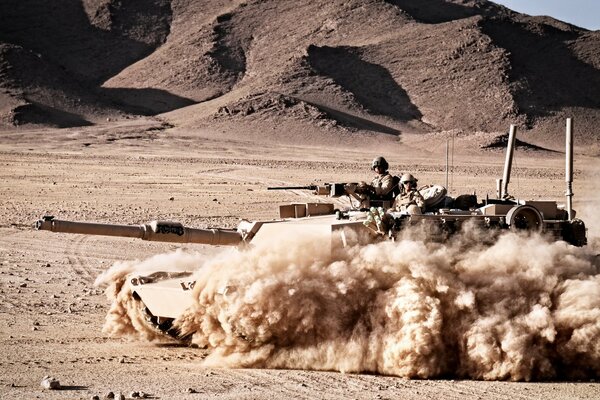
(333,66)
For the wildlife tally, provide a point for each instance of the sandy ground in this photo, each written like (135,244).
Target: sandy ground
(53,315)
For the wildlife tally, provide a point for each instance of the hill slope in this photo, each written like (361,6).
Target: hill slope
(388,66)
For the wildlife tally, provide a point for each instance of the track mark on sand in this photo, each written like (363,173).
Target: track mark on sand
(77,261)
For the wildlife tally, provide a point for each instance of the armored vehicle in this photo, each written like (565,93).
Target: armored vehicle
(163,296)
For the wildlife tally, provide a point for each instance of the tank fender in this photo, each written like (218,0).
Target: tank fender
(247,229)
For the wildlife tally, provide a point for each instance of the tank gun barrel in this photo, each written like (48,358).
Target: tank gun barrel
(308,187)
(158,231)
(320,190)
(327,189)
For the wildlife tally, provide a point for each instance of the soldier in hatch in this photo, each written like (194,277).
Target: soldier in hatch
(383,184)
(384,187)
(409,200)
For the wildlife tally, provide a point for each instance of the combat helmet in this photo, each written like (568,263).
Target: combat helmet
(379,162)
(408,178)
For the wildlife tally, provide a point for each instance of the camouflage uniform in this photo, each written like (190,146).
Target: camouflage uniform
(383,184)
(410,198)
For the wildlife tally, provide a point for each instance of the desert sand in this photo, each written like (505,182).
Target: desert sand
(130,111)
(53,314)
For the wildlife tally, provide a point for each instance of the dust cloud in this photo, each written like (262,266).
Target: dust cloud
(587,202)
(125,318)
(514,308)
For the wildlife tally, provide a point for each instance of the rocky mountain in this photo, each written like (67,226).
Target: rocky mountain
(389,66)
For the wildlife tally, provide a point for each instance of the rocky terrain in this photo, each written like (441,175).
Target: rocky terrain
(132,173)
(129,111)
(388,67)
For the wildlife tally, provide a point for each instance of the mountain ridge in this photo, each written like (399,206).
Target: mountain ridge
(434,65)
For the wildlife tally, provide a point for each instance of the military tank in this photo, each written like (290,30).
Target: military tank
(164,296)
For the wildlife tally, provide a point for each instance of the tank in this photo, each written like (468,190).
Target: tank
(164,296)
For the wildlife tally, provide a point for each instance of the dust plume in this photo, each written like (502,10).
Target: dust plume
(587,202)
(125,317)
(516,308)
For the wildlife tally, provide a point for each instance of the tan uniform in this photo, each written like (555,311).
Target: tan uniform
(383,184)
(410,198)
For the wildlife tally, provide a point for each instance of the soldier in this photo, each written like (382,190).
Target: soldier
(409,200)
(384,187)
(383,184)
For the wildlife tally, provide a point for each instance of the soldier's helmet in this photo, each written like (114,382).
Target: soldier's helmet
(379,162)
(408,178)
